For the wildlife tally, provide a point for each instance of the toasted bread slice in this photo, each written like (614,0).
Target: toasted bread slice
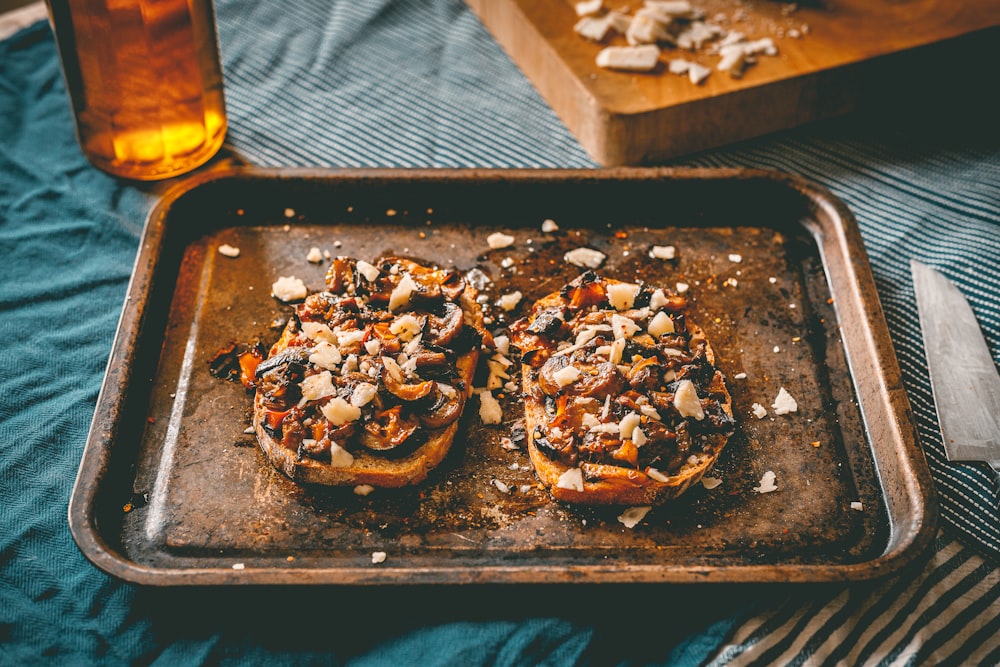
(623,403)
(369,379)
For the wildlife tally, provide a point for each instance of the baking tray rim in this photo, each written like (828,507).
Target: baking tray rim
(906,544)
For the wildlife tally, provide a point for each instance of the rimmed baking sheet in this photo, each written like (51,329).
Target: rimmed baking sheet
(172,489)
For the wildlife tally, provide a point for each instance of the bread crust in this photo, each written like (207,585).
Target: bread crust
(607,482)
(369,467)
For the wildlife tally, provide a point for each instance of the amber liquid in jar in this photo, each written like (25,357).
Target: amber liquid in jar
(145,83)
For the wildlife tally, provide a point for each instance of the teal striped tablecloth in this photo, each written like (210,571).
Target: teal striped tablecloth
(420,83)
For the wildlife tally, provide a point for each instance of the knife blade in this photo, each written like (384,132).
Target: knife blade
(964,379)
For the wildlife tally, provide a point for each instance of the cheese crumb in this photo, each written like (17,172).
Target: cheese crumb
(363,394)
(339,411)
(758,410)
(490,411)
(369,271)
(238,566)
(498,240)
(400,295)
(502,487)
(856,505)
(363,489)
(340,457)
(633,515)
(682,288)
(572,480)
(641,58)
(318,386)
(736,258)
(621,296)
(228,250)
(710,482)
(660,324)
(686,400)
(784,403)
(549,226)
(663,252)
(509,301)
(585,257)
(567,375)
(288,289)
(378,557)
(740,376)
(766,483)
(315,255)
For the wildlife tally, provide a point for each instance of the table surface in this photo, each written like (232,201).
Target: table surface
(420,83)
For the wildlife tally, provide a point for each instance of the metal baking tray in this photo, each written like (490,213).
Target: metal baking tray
(172,490)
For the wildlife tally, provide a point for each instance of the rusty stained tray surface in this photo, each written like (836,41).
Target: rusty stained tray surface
(172,489)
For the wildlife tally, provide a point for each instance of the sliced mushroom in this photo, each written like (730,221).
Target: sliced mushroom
(444,330)
(613,474)
(607,381)
(387,429)
(446,408)
(395,384)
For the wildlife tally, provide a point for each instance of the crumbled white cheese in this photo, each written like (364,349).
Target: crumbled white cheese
(400,295)
(740,376)
(378,557)
(710,482)
(501,344)
(340,457)
(350,338)
(856,505)
(502,487)
(638,437)
(678,66)
(315,255)
(697,34)
(490,411)
(633,515)
(616,350)
(784,403)
(549,226)
(663,252)
(319,332)
(406,327)
(588,7)
(766,483)
(697,73)
(498,240)
(318,386)
(649,411)
(621,296)
(567,375)
(682,287)
(758,410)
(639,58)
(325,355)
(363,394)
(686,400)
(585,257)
(628,424)
(228,250)
(593,28)
(660,324)
(572,479)
(239,566)
(655,474)
(736,258)
(363,489)
(369,271)
(372,346)
(623,327)
(646,29)
(658,299)
(509,302)
(289,288)
(339,411)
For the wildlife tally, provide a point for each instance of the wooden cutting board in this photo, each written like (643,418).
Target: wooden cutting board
(830,54)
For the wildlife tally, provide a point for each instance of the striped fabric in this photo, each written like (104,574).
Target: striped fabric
(945,614)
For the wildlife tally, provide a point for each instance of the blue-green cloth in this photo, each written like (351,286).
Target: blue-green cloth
(405,83)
